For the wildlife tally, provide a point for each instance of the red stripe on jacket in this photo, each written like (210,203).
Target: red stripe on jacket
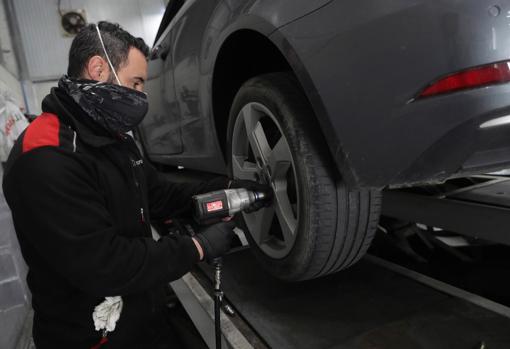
(43,131)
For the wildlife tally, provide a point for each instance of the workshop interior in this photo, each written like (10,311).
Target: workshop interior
(289,174)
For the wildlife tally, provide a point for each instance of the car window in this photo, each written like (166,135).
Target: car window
(171,10)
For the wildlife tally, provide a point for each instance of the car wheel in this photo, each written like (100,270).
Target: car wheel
(316,224)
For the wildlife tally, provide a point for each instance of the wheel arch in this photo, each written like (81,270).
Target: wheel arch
(246,53)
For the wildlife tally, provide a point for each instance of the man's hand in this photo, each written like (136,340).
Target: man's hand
(254,186)
(215,240)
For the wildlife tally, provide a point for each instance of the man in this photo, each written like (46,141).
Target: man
(82,199)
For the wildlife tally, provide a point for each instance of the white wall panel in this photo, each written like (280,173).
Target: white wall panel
(8,57)
(40,90)
(9,82)
(44,43)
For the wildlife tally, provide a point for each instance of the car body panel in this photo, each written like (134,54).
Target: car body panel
(385,136)
(161,131)
(361,64)
(196,33)
(205,26)
(188,43)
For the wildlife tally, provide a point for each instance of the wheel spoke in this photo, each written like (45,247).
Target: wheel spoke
(280,160)
(256,135)
(250,118)
(279,173)
(244,169)
(283,209)
(281,151)
(260,223)
(259,144)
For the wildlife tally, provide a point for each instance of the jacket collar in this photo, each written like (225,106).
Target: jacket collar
(70,113)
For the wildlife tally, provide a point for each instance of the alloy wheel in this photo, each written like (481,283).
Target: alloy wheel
(260,152)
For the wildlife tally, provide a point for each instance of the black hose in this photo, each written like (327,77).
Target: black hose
(218,298)
(59,9)
(217,319)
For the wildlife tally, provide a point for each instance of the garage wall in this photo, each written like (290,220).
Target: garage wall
(8,65)
(46,46)
(14,294)
(7,57)
(10,82)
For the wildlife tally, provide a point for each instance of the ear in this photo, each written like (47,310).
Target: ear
(97,69)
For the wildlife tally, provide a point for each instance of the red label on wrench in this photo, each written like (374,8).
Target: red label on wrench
(214,206)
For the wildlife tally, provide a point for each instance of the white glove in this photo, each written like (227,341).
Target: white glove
(107,314)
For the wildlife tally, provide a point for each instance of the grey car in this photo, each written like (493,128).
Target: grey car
(329,101)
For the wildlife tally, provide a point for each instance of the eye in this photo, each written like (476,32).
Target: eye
(138,86)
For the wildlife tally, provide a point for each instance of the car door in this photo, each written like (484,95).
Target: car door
(187,43)
(161,129)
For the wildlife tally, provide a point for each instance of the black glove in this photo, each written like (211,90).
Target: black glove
(216,239)
(254,186)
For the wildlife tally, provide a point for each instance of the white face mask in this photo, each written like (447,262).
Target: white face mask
(107,57)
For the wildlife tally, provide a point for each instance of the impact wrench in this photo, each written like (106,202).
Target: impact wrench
(211,208)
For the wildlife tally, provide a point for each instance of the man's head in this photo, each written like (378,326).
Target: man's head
(128,55)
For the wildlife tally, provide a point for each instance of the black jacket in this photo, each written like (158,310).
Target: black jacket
(81,202)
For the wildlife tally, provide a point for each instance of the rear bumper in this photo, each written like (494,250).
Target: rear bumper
(455,135)
(362,73)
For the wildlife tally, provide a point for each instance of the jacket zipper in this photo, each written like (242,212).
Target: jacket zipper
(137,184)
(139,189)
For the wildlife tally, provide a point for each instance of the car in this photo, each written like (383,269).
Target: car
(330,102)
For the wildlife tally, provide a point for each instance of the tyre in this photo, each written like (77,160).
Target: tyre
(316,225)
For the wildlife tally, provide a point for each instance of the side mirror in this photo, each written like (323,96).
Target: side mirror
(154,69)
(159,52)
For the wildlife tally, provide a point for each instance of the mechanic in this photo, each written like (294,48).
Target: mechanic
(82,199)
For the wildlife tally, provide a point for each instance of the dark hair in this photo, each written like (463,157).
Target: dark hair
(86,45)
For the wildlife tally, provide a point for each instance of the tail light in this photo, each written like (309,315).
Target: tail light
(490,74)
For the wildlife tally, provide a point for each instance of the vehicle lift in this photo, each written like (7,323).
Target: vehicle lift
(374,304)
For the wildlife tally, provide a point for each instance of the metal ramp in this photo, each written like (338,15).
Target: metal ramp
(374,304)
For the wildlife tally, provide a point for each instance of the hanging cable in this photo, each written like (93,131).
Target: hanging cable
(59,8)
